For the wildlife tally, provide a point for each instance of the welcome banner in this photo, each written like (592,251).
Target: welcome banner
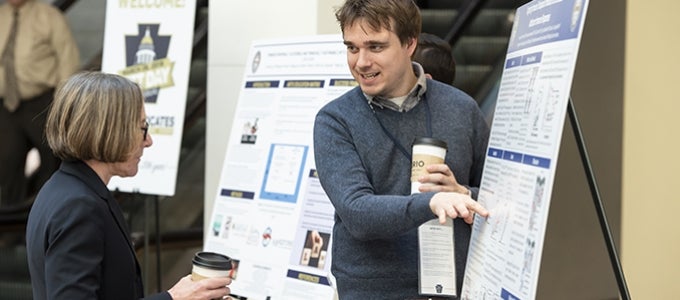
(150,43)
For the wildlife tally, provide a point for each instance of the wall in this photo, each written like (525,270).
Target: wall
(575,263)
(650,204)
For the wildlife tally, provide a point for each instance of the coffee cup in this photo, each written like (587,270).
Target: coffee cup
(210,265)
(426,151)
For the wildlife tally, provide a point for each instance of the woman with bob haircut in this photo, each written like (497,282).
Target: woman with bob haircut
(77,241)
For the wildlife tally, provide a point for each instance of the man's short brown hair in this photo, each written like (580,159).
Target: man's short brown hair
(399,16)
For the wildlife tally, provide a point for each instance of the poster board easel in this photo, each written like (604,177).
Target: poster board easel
(597,201)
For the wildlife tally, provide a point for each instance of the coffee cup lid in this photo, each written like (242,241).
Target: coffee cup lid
(429,141)
(212,260)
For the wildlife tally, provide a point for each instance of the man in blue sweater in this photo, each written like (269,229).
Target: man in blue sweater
(362,144)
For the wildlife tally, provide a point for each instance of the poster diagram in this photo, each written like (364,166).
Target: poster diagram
(283,172)
(505,249)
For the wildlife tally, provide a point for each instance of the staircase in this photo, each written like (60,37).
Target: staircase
(480,45)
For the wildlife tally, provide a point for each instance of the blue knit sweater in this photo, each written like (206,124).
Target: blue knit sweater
(367,178)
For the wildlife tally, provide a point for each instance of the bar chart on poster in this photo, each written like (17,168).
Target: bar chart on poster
(506,247)
(271,215)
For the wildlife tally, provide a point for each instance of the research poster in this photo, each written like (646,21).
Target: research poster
(151,43)
(271,215)
(506,247)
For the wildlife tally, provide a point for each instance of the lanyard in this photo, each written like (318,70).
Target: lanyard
(396,142)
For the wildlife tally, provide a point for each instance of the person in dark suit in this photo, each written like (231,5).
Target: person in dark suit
(77,240)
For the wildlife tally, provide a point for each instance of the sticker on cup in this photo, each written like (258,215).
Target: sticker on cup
(426,151)
(210,265)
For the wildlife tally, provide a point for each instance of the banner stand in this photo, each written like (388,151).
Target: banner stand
(157,231)
(157,238)
(597,200)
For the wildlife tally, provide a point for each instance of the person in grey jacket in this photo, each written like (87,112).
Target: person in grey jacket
(362,148)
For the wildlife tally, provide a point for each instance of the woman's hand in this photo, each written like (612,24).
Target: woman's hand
(209,288)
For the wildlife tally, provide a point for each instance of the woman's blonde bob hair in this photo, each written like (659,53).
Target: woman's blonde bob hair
(95,116)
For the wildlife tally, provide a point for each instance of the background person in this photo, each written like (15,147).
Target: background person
(78,243)
(436,57)
(37,51)
(362,148)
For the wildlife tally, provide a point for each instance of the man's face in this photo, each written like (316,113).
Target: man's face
(378,61)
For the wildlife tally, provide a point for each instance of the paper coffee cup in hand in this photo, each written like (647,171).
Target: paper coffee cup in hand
(426,151)
(210,265)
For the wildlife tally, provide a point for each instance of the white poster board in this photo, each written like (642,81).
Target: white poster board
(151,43)
(270,212)
(505,249)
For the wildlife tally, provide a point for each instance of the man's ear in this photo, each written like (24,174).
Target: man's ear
(411,46)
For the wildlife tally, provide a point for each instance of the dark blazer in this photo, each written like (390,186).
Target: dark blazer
(78,243)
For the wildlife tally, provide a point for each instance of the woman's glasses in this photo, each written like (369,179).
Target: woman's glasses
(145,129)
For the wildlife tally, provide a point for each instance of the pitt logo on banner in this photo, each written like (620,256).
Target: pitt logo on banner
(147,62)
